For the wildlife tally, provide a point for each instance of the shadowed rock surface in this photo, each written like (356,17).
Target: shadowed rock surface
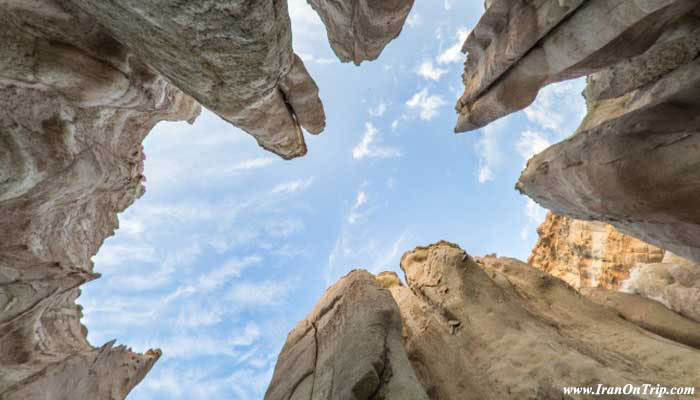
(74,108)
(500,329)
(634,161)
(519,47)
(588,253)
(349,347)
(359,30)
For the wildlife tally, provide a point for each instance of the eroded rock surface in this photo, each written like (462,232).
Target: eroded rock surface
(359,30)
(674,282)
(349,347)
(588,253)
(634,161)
(74,108)
(519,47)
(500,329)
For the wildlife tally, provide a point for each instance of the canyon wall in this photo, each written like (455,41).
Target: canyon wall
(485,328)
(588,253)
(633,162)
(82,83)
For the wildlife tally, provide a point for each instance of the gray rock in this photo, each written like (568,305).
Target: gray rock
(349,347)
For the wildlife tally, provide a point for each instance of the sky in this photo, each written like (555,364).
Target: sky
(231,246)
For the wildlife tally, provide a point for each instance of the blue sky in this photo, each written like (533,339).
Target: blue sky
(231,246)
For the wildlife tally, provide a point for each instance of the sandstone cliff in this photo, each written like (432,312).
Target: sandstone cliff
(588,253)
(492,328)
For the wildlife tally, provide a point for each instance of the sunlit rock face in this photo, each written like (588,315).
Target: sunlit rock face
(359,30)
(588,253)
(591,255)
(74,108)
(486,328)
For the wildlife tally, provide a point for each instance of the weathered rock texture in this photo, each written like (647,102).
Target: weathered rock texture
(81,84)
(588,253)
(634,162)
(74,108)
(674,282)
(359,30)
(349,347)
(500,329)
(518,47)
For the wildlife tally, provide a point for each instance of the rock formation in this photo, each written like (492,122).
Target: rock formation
(674,282)
(633,162)
(349,347)
(82,84)
(358,30)
(74,108)
(588,253)
(491,328)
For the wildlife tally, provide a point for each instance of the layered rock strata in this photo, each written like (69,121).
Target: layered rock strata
(74,107)
(588,253)
(500,329)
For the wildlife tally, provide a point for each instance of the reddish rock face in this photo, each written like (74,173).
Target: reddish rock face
(588,254)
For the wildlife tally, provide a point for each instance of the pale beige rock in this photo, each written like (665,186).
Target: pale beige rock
(349,347)
(496,328)
(519,322)
(235,58)
(649,314)
(632,164)
(674,283)
(588,253)
(552,41)
(359,30)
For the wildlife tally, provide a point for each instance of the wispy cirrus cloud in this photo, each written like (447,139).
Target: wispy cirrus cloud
(369,146)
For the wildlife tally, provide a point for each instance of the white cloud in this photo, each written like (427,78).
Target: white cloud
(427,104)
(395,125)
(354,211)
(559,107)
(111,255)
(428,71)
(368,148)
(488,149)
(454,53)
(245,165)
(264,293)
(531,143)
(448,4)
(295,186)
(379,110)
(414,20)
(534,212)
